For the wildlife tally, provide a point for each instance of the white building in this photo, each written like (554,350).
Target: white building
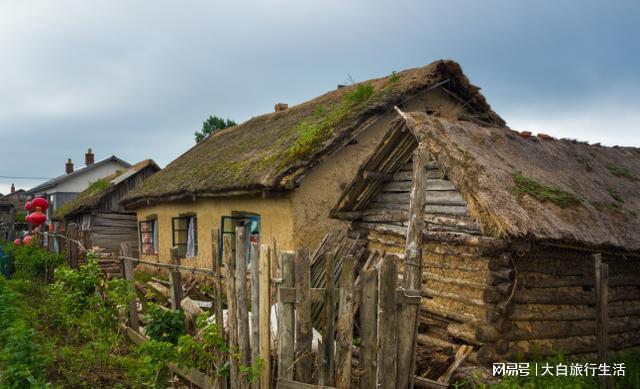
(63,188)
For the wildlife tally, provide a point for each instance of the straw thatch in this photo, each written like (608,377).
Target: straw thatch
(272,151)
(518,185)
(100,189)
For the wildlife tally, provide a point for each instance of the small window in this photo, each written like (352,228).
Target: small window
(228,227)
(185,236)
(149,236)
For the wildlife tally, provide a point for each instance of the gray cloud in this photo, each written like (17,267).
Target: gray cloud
(136,79)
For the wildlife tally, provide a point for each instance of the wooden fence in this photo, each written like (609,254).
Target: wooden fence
(369,305)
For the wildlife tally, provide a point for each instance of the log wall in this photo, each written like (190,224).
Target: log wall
(503,300)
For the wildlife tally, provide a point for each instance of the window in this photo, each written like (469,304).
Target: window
(185,235)
(228,227)
(149,236)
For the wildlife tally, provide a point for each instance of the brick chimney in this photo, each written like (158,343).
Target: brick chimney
(88,157)
(68,167)
(13,188)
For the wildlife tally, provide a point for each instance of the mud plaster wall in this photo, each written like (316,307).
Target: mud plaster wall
(275,217)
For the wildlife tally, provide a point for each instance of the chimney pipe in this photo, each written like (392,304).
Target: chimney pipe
(88,158)
(68,167)
(13,188)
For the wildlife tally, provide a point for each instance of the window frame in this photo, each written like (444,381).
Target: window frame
(185,244)
(154,245)
(235,216)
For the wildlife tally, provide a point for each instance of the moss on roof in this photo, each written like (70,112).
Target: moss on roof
(261,152)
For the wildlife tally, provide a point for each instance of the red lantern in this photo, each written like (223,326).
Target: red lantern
(37,218)
(28,206)
(27,239)
(17,242)
(28,218)
(40,204)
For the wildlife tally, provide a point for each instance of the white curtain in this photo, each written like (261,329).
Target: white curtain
(191,241)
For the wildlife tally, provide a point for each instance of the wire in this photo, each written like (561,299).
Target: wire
(26,178)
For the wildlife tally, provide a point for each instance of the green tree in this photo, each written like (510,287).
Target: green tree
(212,124)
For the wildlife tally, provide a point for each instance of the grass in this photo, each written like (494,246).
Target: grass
(312,133)
(527,185)
(622,172)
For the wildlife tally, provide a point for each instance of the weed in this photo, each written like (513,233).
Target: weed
(527,185)
(164,325)
(394,77)
(621,171)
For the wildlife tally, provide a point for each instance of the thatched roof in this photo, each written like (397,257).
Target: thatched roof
(98,190)
(522,186)
(272,151)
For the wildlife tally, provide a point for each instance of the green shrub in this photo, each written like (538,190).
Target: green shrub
(33,262)
(164,325)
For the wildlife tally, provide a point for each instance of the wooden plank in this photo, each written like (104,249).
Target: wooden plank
(461,355)
(408,313)
(330,315)
(434,184)
(286,320)
(288,295)
(387,331)
(232,320)
(130,276)
(176,281)
(344,336)
(288,384)
(255,308)
(368,327)
(602,319)
(264,273)
(217,290)
(304,336)
(377,176)
(244,347)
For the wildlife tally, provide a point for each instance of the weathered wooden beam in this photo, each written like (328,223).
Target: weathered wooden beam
(602,320)
(217,290)
(377,176)
(244,347)
(304,336)
(255,307)
(286,319)
(264,277)
(387,329)
(368,328)
(230,281)
(344,337)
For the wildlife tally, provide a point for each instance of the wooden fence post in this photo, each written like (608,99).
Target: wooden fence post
(304,336)
(285,319)
(175,281)
(344,337)
(255,307)
(330,316)
(217,290)
(264,275)
(244,346)
(232,321)
(602,317)
(368,327)
(408,314)
(127,267)
(387,331)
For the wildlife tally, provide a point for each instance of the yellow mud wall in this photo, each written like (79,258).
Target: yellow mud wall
(275,218)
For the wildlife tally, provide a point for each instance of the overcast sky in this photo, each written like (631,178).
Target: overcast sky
(137,78)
